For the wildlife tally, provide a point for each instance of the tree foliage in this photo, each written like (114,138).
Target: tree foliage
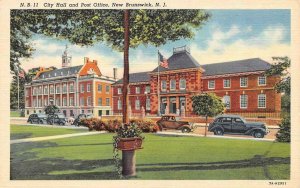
(87,27)
(284,133)
(281,68)
(51,109)
(207,104)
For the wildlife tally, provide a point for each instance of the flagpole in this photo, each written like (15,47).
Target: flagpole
(158,85)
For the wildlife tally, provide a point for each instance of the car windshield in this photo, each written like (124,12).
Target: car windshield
(42,115)
(61,115)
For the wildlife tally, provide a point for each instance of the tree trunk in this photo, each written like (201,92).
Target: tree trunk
(126,67)
(205,132)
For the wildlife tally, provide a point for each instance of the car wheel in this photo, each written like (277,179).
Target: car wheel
(50,122)
(41,122)
(61,123)
(185,130)
(218,132)
(258,134)
(30,121)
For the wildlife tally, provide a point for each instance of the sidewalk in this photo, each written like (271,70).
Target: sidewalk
(36,139)
(214,136)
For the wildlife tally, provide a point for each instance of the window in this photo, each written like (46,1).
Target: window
(45,102)
(57,88)
(40,102)
(88,88)
(211,84)
(172,84)
(243,82)
(99,101)
(89,101)
(137,104)
(261,101)
(163,85)
(57,101)
(237,120)
(51,89)
(148,104)
(226,83)
(243,101)
(99,88)
(262,81)
(65,88)
(107,89)
(45,90)
(71,87)
(71,101)
(81,101)
(147,89)
(119,90)
(226,101)
(64,101)
(137,90)
(81,88)
(40,90)
(119,104)
(107,102)
(182,84)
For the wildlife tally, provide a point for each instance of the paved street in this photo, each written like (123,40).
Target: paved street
(199,131)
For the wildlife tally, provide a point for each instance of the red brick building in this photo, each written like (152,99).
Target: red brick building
(240,84)
(74,89)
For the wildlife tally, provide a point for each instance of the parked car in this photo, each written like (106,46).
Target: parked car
(37,118)
(76,122)
(170,122)
(56,118)
(237,124)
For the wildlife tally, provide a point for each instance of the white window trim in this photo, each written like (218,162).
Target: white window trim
(213,82)
(65,101)
(89,101)
(241,102)
(99,91)
(147,90)
(107,92)
(99,102)
(182,88)
(81,88)
(137,90)
(172,89)
(241,82)
(229,83)
(139,107)
(163,89)
(88,88)
(229,101)
(71,103)
(119,90)
(265,101)
(148,107)
(71,87)
(261,84)
(106,102)
(119,104)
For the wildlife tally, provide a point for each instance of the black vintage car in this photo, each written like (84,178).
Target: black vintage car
(37,118)
(82,116)
(237,124)
(170,122)
(56,118)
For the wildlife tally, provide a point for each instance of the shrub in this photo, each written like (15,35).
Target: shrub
(113,125)
(93,124)
(146,125)
(284,133)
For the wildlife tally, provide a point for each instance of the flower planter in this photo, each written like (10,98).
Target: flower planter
(127,144)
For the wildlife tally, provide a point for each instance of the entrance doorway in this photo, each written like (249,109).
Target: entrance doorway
(172,105)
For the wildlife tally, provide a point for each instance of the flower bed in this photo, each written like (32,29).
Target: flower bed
(146,125)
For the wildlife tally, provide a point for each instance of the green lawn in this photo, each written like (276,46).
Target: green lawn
(163,157)
(15,114)
(24,131)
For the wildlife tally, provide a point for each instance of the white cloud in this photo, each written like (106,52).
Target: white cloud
(265,45)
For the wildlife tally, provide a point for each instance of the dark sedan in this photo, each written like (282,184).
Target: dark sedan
(57,118)
(37,118)
(237,125)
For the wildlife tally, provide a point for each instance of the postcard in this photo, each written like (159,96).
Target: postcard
(149,93)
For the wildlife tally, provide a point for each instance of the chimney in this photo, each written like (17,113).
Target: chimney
(115,73)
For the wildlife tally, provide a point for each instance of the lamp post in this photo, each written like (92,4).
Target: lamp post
(17,74)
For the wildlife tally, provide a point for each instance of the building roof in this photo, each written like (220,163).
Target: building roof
(136,77)
(179,60)
(60,72)
(231,67)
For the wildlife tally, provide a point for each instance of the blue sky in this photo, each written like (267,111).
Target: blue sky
(229,35)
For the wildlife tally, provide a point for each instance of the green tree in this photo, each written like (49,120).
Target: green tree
(119,29)
(51,109)
(281,68)
(208,105)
